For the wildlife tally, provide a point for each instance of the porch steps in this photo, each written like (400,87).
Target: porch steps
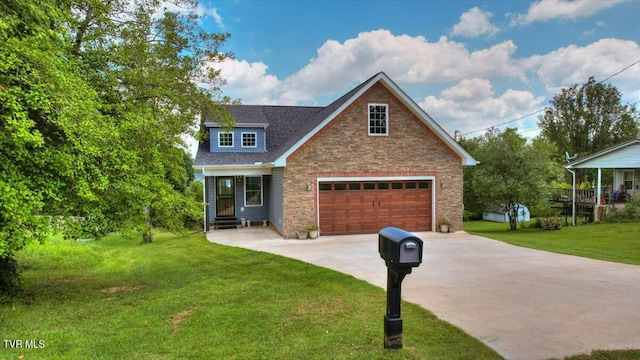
(224,223)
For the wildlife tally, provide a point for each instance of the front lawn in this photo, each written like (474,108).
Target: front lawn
(619,242)
(183,297)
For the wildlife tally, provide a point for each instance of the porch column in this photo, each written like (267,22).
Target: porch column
(204,200)
(599,186)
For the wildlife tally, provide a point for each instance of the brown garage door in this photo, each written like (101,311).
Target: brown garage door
(366,207)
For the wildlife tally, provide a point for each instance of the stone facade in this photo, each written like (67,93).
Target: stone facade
(343,148)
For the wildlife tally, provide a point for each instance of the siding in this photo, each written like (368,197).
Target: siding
(253,213)
(237,140)
(275,206)
(628,157)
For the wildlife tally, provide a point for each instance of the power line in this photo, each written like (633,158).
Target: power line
(540,110)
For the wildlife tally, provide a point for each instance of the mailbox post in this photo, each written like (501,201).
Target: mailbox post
(401,252)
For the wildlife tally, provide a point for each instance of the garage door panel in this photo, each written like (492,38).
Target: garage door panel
(367,207)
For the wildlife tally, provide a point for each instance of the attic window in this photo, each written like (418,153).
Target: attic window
(225,139)
(248,139)
(378,120)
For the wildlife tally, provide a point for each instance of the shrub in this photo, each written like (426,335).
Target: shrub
(551,223)
(631,211)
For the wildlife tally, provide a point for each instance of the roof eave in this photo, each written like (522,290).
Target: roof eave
(465,157)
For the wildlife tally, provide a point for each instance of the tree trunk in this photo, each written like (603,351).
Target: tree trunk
(146,236)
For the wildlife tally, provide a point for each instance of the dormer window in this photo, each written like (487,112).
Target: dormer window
(378,120)
(225,139)
(249,139)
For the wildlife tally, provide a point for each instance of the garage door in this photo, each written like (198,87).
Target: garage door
(362,207)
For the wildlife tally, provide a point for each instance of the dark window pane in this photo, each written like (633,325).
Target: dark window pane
(340,187)
(369,186)
(383,186)
(409,185)
(354,186)
(423,184)
(396,186)
(325,187)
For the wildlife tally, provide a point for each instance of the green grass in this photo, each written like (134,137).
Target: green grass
(182,297)
(619,242)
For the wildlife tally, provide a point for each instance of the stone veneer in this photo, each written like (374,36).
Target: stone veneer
(344,149)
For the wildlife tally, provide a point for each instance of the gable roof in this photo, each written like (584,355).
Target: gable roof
(626,154)
(291,126)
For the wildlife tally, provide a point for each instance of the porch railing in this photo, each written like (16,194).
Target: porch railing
(587,196)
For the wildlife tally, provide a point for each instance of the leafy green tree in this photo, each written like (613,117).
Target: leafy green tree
(510,172)
(147,65)
(95,100)
(50,144)
(584,119)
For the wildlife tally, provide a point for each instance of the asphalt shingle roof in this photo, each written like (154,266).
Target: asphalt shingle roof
(287,125)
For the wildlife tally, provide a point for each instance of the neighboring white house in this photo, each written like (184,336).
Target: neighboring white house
(623,158)
(500,215)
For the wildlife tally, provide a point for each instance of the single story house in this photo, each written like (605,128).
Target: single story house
(372,158)
(499,214)
(624,159)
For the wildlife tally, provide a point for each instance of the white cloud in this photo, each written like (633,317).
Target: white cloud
(198,9)
(472,105)
(405,59)
(248,81)
(545,10)
(474,23)
(574,65)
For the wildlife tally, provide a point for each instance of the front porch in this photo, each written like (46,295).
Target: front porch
(236,201)
(587,205)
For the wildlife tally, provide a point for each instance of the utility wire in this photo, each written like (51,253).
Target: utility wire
(540,110)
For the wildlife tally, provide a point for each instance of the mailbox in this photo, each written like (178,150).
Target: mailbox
(401,252)
(399,248)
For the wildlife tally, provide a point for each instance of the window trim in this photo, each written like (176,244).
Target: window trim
(255,139)
(386,114)
(220,133)
(261,191)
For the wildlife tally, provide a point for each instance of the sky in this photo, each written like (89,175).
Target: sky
(469,64)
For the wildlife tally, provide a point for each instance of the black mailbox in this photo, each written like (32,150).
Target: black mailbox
(399,248)
(401,252)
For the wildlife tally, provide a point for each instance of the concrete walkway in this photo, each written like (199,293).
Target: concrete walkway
(523,303)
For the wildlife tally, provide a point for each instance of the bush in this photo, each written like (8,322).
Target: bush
(631,211)
(551,223)
(9,278)
(543,211)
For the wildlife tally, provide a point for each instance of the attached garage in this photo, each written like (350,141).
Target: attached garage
(359,207)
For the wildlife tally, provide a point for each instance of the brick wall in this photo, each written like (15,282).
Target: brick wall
(343,148)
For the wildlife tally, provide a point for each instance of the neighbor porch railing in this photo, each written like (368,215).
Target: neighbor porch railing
(587,196)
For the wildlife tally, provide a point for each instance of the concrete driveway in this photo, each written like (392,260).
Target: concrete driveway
(523,303)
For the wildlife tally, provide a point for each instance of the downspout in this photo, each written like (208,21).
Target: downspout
(204,200)
(573,198)
(599,186)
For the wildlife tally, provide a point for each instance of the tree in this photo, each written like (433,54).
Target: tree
(146,64)
(49,142)
(95,99)
(588,118)
(510,172)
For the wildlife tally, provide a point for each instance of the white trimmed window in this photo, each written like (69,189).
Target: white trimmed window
(253,191)
(249,139)
(378,120)
(225,139)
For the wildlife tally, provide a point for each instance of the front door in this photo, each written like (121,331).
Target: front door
(225,197)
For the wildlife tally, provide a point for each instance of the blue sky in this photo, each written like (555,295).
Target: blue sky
(469,64)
